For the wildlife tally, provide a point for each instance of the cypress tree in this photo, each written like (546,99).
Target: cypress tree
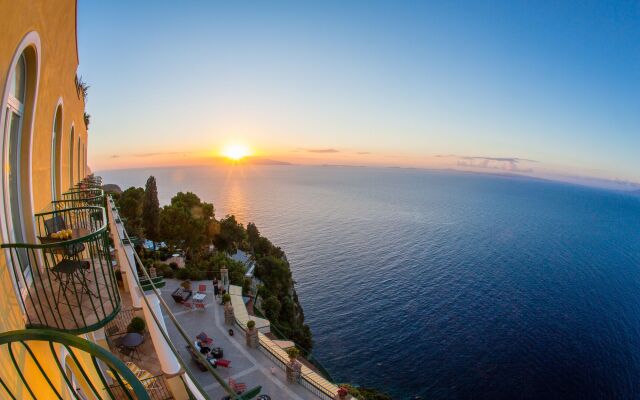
(151,211)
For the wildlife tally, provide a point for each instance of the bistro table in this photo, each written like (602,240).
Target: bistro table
(181,295)
(199,297)
(132,341)
(70,269)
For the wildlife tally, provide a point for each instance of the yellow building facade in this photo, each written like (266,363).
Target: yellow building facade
(44,141)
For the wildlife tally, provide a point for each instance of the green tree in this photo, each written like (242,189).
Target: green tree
(253,234)
(151,211)
(230,235)
(186,222)
(272,308)
(130,204)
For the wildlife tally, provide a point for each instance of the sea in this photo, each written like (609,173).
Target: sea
(443,284)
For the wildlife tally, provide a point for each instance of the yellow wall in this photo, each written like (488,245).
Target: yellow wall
(55,23)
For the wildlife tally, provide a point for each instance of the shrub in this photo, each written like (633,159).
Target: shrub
(246,285)
(293,352)
(272,308)
(182,274)
(251,324)
(173,265)
(137,325)
(226,298)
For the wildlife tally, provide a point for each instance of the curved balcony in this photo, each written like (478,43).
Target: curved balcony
(66,281)
(47,365)
(82,197)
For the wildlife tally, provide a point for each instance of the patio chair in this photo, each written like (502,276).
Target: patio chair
(199,305)
(237,387)
(187,304)
(221,362)
(202,288)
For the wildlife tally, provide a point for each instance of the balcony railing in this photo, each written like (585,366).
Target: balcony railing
(83,197)
(66,280)
(46,364)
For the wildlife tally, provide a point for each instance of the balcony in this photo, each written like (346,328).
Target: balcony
(82,197)
(48,364)
(66,280)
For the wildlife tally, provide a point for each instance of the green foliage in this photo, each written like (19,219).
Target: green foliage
(230,235)
(130,204)
(293,352)
(165,271)
(246,285)
(271,308)
(226,298)
(137,325)
(186,223)
(87,120)
(151,211)
(251,324)
(364,393)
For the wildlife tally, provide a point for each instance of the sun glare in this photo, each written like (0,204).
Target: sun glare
(236,152)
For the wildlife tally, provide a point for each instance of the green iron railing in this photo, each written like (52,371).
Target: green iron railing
(83,197)
(90,181)
(144,274)
(66,283)
(31,352)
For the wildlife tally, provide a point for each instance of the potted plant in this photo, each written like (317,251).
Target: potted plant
(226,298)
(342,393)
(252,334)
(293,353)
(293,368)
(186,284)
(136,325)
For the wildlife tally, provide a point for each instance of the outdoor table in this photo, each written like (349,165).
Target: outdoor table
(132,340)
(73,272)
(180,295)
(199,297)
(70,250)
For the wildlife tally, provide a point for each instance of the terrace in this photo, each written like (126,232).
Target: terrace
(250,366)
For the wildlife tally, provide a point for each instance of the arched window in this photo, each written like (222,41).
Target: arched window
(72,141)
(56,144)
(16,121)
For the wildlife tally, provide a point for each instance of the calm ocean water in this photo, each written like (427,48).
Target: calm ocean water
(446,285)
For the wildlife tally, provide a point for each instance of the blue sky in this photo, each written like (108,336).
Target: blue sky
(543,88)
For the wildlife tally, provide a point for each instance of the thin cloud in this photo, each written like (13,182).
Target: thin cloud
(328,150)
(511,164)
(142,155)
(363,152)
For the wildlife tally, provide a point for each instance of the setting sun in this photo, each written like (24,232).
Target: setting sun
(236,152)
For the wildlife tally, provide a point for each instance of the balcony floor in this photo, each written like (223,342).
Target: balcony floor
(249,366)
(74,308)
